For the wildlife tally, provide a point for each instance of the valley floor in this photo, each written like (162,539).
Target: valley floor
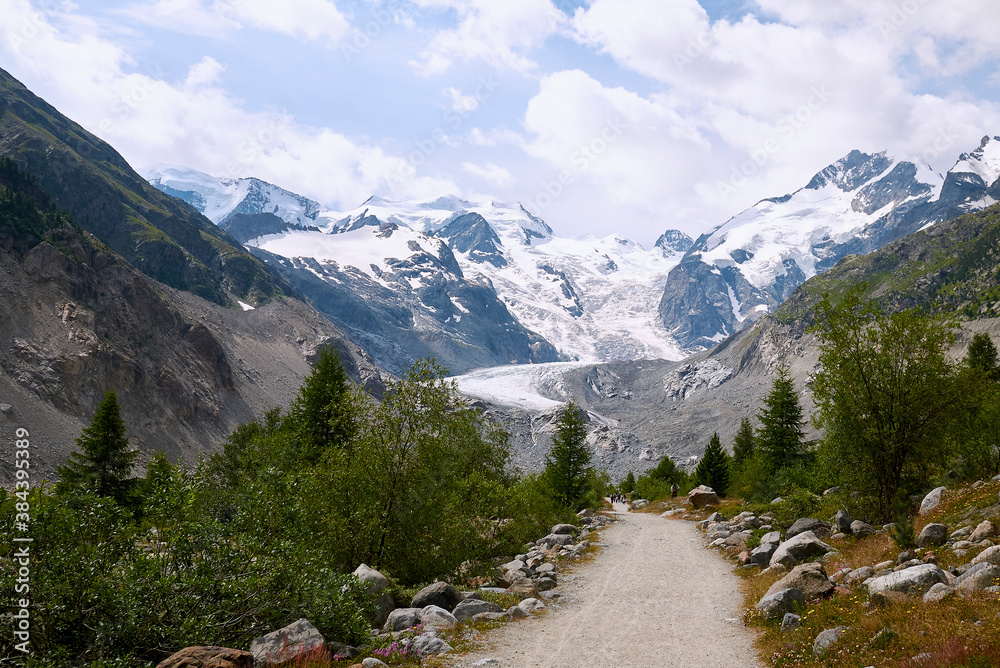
(653,597)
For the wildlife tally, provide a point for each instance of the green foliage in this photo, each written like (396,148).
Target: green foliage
(713,469)
(627,486)
(780,437)
(104,462)
(320,417)
(744,445)
(885,394)
(903,532)
(982,357)
(569,459)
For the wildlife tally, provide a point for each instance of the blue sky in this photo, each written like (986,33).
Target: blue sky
(602,116)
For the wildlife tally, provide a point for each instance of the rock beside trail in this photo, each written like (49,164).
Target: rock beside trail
(843,521)
(440,594)
(436,617)
(471,607)
(798,549)
(287,644)
(810,579)
(775,606)
(428,644)
(990,555)
(564,528)
(208,657)
(804,524)
(862,529)
(702,496)
(375,584)
(932,500)
(915,581)
(401,619)
(827,638)
(987,576)
(932,535)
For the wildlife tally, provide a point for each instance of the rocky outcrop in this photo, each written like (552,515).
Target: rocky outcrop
(375,585)
(798,549)
(440,594)
(287,644)
(915,581)
(702,496)
(208,657)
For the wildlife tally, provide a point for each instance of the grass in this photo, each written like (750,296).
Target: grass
(955,632)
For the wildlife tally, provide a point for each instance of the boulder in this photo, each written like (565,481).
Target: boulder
(489,617)
(798,549)
(702,496)
(375,584)
(428,644)
(761,555)
(530,605)
(988,576)
(810,579)
(372,662)
(776,605)
(514,612)
(771,538)
(639,504)
(938,592)
(559,539)
(990,555)
(287,644)
(932,500)
(565,529)
(586,512)
(915,581)
(342,650)
(932,535)
(523,587)
(208,657)
(436,617)
(790,622)
(441,594)
(804,524)
(986,529)
(827,638)
(471,607)
(843,521)
(862,529)
(401,619)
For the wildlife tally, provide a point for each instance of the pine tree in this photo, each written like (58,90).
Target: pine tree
(982,356)
(780,435)
(628,484)
(713,469)
(104,462)
(319,417)
(745,442)
(567,463)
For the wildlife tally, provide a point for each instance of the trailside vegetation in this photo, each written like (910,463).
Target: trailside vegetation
(713,469)
(269,529)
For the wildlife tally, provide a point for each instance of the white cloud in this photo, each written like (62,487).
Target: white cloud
(205,73)
(500,34)
(461,102)
(492,174)
(308,20)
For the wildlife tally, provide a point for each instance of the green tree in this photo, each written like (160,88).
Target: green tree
(713,469)
(320,416)
(780,437)
(627,485)
(745,442)
(982,357)
(885,393)
(567,462)
(104,461)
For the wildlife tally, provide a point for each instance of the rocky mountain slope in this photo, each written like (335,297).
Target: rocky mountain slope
(78,318)
(476,284)
(747,267)
(642,410)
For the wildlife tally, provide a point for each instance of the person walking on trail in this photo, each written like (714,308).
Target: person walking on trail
(673,491)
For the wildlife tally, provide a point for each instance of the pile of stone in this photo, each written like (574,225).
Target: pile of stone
(535,572)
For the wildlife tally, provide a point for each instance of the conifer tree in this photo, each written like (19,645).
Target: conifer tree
(982,357)
(104,461)
(780,435)
(319,417)
(628,484)
(713,469)
(745,442)
(567,463)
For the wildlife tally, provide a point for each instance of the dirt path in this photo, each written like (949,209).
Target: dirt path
(653,597)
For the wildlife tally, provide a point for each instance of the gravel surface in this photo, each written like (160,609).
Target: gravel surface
(653,597)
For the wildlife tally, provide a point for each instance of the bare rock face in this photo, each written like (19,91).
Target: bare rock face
(915,581)
(208,657)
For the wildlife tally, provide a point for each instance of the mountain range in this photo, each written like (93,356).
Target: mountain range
(474,284)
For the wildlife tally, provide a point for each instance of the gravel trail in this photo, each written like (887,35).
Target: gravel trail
(654,597)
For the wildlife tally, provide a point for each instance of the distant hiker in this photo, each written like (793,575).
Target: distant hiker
(673,490)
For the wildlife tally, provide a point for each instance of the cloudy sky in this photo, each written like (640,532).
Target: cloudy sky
(602,116)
